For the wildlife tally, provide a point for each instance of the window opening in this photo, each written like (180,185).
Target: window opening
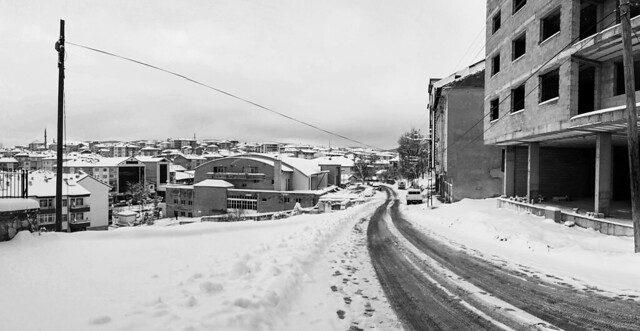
(495,64)
(517,99)
(550,25)
(519,46)
(550,85)
(494,109)
(518,4)
(495,22)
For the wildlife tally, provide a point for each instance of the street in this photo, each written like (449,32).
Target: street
(432,286)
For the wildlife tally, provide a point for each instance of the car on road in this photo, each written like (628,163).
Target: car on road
(402,186)
(414,196)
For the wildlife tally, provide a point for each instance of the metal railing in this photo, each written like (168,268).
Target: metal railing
(14,184)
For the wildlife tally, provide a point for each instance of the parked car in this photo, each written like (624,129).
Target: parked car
(414,196)
(402,186)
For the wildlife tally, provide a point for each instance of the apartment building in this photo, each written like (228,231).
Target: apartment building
(464,166)
(554,98)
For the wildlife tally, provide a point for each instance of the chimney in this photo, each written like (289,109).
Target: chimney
(277,174)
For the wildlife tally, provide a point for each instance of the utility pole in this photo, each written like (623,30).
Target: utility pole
(60,49)
(632,119)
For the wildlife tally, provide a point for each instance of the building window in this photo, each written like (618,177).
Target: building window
(299,200)
(619,77)
(190,202)
(250,170)
(519,46)
(517,99)
(495,22)
(46,219)
(46,203)
(494,109)
(241,201)
(550,25)
(182,213)
(495,64)
(518,4)
(550,85)
(175,201)
(218,169)
(64,202)
(182,202)
(244,184)
(79,202)
(190,214)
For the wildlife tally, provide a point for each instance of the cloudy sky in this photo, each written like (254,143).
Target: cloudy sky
(359,68)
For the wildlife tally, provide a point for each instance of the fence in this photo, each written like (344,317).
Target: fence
(14,184)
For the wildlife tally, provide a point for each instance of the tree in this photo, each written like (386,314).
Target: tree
(363,164)
(138,190)
(413,151)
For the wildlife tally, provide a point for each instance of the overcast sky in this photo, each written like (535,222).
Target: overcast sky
(359,68)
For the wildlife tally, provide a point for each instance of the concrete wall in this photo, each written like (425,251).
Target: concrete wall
(209,201)
(563,171)
(472,167)
(536,117)
(173,200)
(98,202)
(237,165)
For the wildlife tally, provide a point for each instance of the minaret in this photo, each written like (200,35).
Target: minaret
(45,139)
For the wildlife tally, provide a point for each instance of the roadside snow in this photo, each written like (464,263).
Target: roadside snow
(272,275)
(532,244)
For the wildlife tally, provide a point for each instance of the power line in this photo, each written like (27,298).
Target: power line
(222,92)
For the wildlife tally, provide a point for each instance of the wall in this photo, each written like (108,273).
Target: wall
(536,118)
(472,167)
(98,202)
(11,222)
(237,165)
(175,194)
(209,201)
(563,171)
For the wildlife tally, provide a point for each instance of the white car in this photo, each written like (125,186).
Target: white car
(414,196)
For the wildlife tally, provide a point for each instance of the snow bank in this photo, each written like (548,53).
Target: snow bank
(578,256)
(201,276)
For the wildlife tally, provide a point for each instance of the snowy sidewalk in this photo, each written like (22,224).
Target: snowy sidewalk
(581,257)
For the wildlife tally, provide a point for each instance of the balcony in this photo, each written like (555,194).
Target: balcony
(79,208)
(85,221)
(606,44)
(236,175)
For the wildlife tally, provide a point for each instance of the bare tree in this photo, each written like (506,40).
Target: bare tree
(413,151)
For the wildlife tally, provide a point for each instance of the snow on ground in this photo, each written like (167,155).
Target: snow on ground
(532,244)
(308,272)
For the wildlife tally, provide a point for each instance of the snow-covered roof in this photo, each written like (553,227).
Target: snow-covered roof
(151,159)
(97,162)
(182,175)
(213,183)
(176,168)
(43,184)
(335,160)
(14,204)
(8,160)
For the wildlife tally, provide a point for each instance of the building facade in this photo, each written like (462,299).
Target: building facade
(463,165)
(554,98)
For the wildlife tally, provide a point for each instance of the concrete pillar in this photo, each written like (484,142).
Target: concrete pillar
(509,179)
(533,171)
(603,174)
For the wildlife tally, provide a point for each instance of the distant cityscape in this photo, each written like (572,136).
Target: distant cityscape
(111,182)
